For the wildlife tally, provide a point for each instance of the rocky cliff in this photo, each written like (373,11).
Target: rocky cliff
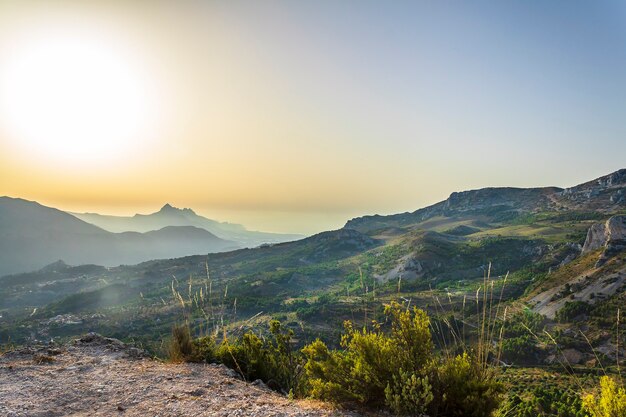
(605,194)
(610,235)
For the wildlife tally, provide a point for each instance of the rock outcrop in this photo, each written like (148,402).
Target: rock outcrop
(610,235)
(606,194)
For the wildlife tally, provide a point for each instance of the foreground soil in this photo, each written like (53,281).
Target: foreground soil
(97,376)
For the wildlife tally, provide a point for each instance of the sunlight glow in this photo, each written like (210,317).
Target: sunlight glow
(74,99)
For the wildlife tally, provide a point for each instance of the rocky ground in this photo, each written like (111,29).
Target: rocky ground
(97,376)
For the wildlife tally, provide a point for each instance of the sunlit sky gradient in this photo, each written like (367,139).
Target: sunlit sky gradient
(296,116)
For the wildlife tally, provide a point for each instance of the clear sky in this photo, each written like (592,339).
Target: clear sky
(298,115)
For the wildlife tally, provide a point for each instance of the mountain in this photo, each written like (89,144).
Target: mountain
(172,216)
(562,251)
(239,267)
(604,195)
(32,235)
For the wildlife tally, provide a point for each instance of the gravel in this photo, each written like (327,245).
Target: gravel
(97,376)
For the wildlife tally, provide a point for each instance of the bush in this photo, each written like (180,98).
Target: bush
(465,387)
(610,402)
(548,400)
(364,371)
(180,347)
(408,394)
(399,371)
(271,360)
(571,310)
(204,350)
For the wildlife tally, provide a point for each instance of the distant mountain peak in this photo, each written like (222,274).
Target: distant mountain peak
(57,266)
(168,208)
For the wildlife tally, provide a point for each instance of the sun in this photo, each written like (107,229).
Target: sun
(74,98)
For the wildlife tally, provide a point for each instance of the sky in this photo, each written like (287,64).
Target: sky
(297,116)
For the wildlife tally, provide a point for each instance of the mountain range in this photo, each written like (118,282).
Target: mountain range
(562,250)
(33,235)
(172,216)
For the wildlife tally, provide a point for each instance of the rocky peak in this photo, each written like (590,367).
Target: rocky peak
(614,179)
(57,266)
(169,209)
(524,198)
(609,190)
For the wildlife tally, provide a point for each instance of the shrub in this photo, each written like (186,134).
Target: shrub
(204,350)
(610,402)
(364,371)
(465,387)
(180,347)
(548,400)
(408,394)
(571,310)
(271,360)
(399,371)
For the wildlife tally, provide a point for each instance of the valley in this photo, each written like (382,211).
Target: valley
(554,261)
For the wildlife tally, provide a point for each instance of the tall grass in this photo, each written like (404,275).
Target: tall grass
(202,315)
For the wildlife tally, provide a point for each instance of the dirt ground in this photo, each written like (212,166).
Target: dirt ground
(96,376)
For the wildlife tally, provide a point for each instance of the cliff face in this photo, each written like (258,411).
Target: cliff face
(610,235)
(603,194)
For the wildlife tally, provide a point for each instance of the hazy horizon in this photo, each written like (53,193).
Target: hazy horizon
(296,117)
(252,217)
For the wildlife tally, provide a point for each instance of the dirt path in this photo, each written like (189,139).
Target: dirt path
(95,376)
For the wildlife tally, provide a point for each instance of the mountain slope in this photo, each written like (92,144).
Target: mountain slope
(554,257)
(32,235)
(606,194)
(172,216)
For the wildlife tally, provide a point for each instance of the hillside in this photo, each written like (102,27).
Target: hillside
(557,257)
(103,377)
(604,195)
(172,216)
(32,236)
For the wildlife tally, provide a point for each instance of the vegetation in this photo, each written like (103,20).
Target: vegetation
(309,317)
(393,365)
(548,400)
(609,402)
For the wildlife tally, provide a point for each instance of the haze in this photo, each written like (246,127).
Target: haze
(296,116)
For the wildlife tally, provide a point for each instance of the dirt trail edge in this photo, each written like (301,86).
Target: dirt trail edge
(98,376)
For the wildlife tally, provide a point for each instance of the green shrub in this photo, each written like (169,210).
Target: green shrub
(398,370)
(180,347)
(271,359)
(610,402)
(465,387)
(549,400)
(571,310)
(204,350)
(364,370)
(408,394)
